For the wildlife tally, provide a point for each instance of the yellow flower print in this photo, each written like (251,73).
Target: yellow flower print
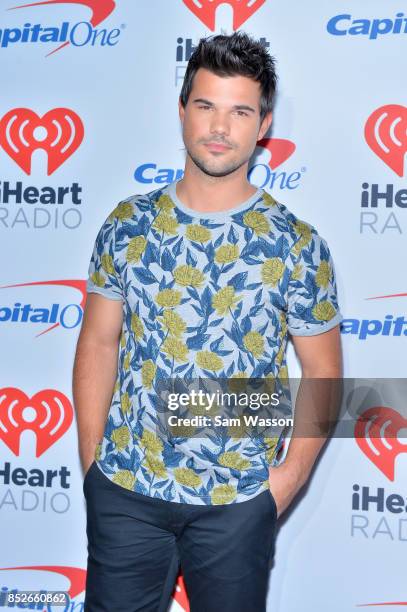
(297,272)
(303,231)
(182,431)
(187,477)
(186,275)
(269,200)
(135,249)
(126,361)
(223,494)
(280,355)
(148,370)
(137,326)
(198,233)
(164,203)
(124,210)
(122,340)
(323,311)
(172,322)
(208,360)
(283,323)
(155,465)
(107,263)
(98,451)
(323,275)
(98,279)
(227,253)
(166,223)
(237,382)
(271,444)
(233,460)
(125,479)
(125,403)
(224,299)
(254,343)
(175,348)
(168,297)
(283,373)
(269,383)
(272,270)
(151,442)
(257,221)
(121,437)
(237,431)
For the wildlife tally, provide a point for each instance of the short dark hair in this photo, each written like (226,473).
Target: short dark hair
(236,54)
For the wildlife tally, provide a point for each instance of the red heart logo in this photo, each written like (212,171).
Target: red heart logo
(180,594)
(53,417)
(376,435)
(64,130)
(205,10)
(386,135)
(279,148)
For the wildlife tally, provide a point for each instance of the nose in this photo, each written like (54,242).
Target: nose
(220,123)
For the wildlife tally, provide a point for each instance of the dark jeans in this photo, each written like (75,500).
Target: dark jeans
(136,545)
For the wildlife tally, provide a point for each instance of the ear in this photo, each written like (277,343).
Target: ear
(265,124)
(181,110)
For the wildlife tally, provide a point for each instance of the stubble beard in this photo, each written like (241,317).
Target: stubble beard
(227,169)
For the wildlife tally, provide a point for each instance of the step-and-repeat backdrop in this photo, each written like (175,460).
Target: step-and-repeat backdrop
(88,116)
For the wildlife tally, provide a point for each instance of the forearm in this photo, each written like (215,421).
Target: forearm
(316,410)
(94,377)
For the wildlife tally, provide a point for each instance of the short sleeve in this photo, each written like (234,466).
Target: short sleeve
(312,293)
(103,276)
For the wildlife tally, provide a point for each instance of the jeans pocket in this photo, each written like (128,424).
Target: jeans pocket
(87,474)
(273,503)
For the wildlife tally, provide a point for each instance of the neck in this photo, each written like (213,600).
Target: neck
(205,193)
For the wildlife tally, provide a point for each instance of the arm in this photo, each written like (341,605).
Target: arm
(320,357)
(95,371)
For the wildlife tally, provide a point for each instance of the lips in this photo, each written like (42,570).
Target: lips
(214,146)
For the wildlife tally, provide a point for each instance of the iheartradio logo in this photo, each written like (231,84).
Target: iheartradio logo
(59,133)
(376,433)
(386,135)
(205,10)
(53,415)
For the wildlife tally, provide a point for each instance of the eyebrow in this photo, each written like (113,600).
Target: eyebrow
(235,107)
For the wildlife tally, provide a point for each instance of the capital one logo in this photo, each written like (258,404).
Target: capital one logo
(205,10)
(100,9)
(59,133)
(386,135)
(53,415)
(376,432)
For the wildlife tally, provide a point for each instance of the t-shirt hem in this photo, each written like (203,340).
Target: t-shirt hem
(91,288)
(317,329)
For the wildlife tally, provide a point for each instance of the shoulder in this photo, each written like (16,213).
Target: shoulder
(132,215)
(132,206)
(300,233)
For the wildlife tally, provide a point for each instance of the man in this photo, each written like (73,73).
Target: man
(205,277)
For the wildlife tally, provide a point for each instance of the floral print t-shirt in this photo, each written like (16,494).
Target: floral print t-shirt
(204,294)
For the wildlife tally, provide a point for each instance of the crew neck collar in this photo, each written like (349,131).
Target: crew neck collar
(215,215)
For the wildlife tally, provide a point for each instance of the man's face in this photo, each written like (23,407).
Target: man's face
(221,122)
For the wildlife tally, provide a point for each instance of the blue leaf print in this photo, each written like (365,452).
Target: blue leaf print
(232,235)
(166,349)
(144,276)
(168,262)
